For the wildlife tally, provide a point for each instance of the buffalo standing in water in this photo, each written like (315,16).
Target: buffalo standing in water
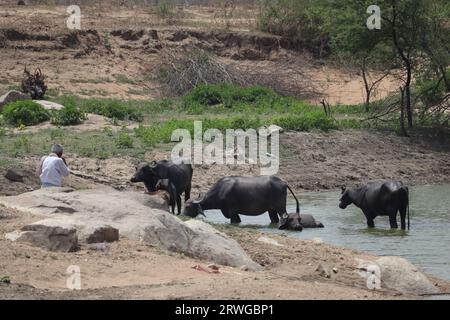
(251,196)
(379,199)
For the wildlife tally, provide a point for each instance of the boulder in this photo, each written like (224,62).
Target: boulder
(401,275)
(99,215)
(12,96)
(49,237)
(48,105)
(212,245)
(397,274)
(104,233)
(14,175)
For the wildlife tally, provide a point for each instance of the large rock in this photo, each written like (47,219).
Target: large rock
(212,245)
(12,96)
(100,215)
(401,275)
(398,274)
(13,175)
(51,237)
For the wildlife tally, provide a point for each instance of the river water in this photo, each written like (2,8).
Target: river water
(427,244)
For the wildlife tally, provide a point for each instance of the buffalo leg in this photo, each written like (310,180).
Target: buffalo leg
(235,219)
(393,221)
(179,204)
(273,216)
(403,218)
(187,193)
(172,203)
(370,223)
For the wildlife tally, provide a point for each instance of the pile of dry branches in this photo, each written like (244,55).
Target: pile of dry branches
(181,74)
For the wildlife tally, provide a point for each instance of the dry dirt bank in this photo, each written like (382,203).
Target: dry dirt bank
(116,53)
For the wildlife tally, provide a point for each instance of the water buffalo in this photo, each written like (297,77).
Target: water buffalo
(179,178)
(308,221)
(379,199)
(249,196)
(168,186)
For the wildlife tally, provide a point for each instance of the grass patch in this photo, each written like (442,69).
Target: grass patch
(99,145)
(120,78)
(106,107)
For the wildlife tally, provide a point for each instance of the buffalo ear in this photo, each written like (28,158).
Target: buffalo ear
(343,188)
(153,163)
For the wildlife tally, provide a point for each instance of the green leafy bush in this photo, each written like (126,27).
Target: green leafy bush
(68,116)
(25,113)
(105,107)
(229,96)
(124,140)
(113,109)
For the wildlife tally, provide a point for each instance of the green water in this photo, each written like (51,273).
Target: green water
(427,244)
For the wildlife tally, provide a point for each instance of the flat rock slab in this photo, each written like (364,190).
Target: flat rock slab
(48,105)
(72,218)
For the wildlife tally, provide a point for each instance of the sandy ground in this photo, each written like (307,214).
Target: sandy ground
(131,270)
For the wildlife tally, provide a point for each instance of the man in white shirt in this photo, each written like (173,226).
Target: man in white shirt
(53,168)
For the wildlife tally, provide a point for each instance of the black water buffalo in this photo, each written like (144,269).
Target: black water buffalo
(249,196)
(178,176)
(379,199)
(308,221)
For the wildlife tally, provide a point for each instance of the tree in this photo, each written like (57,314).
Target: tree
(413,33)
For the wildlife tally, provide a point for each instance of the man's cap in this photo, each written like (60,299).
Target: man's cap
(56,148)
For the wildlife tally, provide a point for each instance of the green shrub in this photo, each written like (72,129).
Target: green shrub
(165,8)
(431,90)
(5,279)
(113,109)
(105,107)
(306,122)
(229,96)
(25,113)
(68,116)
(124,140)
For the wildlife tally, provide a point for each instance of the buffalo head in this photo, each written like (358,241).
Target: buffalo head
(144,173)
(192,208)
(291,221)
(345,199)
